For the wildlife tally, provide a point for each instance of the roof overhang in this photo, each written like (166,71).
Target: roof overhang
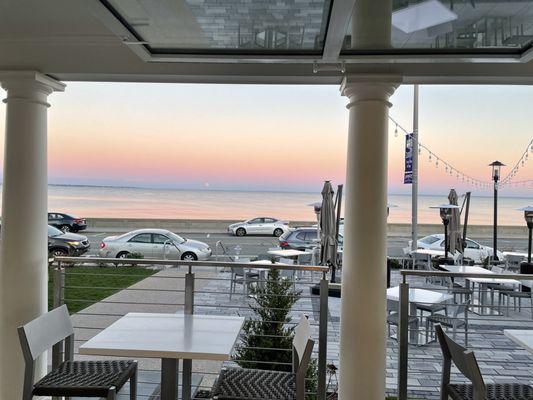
(81,40)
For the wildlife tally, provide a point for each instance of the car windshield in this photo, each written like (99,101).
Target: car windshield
(429,239)
(177,238)
(53,231)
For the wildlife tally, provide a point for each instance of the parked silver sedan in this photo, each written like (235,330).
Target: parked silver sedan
(154,243)
(259,226)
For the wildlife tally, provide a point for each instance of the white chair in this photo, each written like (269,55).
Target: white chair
(239,276)
(289,274)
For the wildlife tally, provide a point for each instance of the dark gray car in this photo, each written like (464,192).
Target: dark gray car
(299,239)
(302,238)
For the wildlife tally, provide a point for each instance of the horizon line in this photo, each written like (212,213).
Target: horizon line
(233,190)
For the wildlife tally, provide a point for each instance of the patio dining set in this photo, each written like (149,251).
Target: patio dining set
(169,337)
(447,301)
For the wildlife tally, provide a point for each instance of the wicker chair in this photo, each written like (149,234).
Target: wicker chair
(466,363)
(255,384)
(101,379)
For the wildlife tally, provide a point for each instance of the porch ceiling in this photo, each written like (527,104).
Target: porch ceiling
(65,39)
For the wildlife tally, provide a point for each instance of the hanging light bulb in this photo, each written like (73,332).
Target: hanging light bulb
(437,163)
(419,149)
(429,157)
(446,168)
(396,131)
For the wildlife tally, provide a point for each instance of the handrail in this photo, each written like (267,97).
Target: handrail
(446,274)
(212,264)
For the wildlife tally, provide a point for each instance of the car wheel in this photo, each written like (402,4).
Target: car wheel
(240,232)
(123,254)
(59,253)
(65,228)
(189,256)
(278,232)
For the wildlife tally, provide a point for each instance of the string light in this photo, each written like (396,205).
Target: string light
(467,178)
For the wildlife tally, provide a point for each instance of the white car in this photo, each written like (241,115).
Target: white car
(473,250)
(154,243)
(259,226)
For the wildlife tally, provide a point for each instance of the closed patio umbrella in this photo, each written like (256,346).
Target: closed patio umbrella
(328,254)
(454,230)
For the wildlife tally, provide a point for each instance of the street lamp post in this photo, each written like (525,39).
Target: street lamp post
(496,168)
(389,206)
(446,216)
(528,216)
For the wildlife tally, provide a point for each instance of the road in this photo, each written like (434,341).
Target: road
(254,245)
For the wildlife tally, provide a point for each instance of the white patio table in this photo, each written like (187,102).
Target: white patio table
(468,269)
(169,337)
(514,254)
(416,297)
(429,253)
(263,271)
(287,253)
(483,287)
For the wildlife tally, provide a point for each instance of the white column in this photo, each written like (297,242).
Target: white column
(23,248)
(363,307)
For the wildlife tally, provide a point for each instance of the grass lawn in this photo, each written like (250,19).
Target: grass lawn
(81,284)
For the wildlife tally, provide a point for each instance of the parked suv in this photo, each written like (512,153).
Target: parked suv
(66,244)
(302,238)
(66,222)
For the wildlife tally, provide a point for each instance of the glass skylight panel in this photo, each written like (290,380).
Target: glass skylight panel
(458,26)
(270,26)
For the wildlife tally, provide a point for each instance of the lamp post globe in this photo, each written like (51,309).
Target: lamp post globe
(496,175)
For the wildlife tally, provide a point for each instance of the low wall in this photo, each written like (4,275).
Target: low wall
(220,226)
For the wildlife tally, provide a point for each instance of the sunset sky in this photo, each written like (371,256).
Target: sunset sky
(287,138)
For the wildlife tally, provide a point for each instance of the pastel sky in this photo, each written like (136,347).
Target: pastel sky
(287,138)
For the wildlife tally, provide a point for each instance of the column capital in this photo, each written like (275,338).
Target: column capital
(29,85)
(369,87)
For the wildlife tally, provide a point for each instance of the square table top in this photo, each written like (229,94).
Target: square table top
(419,295)
(514,254)
(522,337)
(429,252)
(499,281)
(263,262)
(466,269)
(287,253)
(198,337)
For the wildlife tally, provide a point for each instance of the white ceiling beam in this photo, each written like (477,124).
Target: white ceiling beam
(341,12)
(114,25)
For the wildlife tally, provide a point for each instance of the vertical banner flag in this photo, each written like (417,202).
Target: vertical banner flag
(408,176)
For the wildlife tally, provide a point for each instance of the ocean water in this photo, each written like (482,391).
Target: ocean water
(117,202)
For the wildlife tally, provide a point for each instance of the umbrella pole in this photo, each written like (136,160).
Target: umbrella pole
(338,203)
(467,210)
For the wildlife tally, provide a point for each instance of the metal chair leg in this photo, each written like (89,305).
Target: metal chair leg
(112,393)
(133,383)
